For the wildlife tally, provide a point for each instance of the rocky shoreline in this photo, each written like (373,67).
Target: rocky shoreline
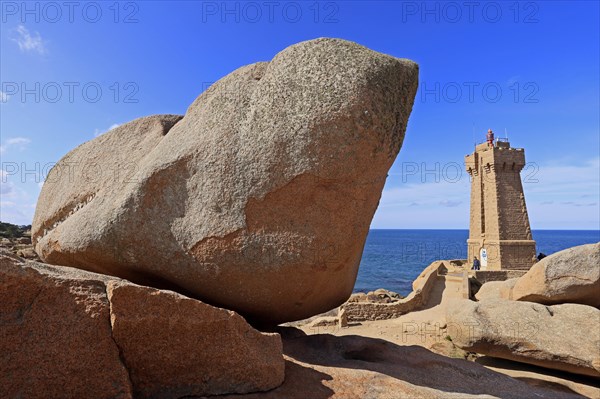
(154,343)
(174,275)
(17,240)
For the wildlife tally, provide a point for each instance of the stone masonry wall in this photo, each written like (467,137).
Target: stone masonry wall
(362,311)
(483,276)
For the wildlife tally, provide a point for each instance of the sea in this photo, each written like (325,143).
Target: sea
(392,259)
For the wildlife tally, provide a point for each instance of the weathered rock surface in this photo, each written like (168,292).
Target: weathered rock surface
(84,195)
(496,289)
(17,242)
(380,295)
(27,253)
(354,367)
(176,346)
(65,332)
(258,200)
(55,334)
(562,337)
(569,276)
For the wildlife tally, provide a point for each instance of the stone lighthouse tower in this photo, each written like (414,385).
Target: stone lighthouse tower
(499,234)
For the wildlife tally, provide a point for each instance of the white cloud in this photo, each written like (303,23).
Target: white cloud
(564,181)
(12,213)
(425,205)
(557,196)
(98,132)
(16,204)
(29,42)
(450,203)
(19,142)
(6,187)
(3,97)
(564,196)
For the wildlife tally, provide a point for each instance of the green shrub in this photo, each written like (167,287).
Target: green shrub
(9,230)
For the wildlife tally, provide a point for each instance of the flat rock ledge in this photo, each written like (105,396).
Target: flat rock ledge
(561,337)
(65,332)
(325,366)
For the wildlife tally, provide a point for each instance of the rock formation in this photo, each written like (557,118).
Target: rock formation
(65,332)
(380,295)
(562,337)
(354,367)
(569,276)
(259,199)
(17,240)
(496,289)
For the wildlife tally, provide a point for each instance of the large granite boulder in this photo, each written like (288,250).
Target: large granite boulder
(69,333)
(569,276)
(563,337)
(258,200)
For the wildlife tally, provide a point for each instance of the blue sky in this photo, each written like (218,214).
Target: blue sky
(71,72)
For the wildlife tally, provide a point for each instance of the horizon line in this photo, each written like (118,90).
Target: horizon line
(395,228)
